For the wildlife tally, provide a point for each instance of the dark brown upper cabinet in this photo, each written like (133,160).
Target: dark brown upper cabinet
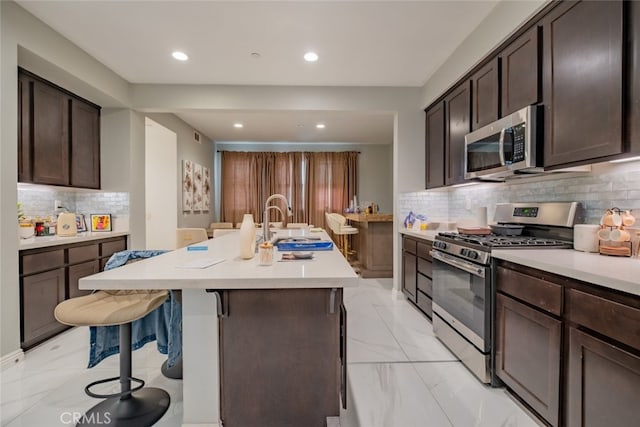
(486,94)
(24,128)
(58,135)
(85,145)
(633,65)
(457,125)
(50,138)
(434,145)
(520,72)
(582,82)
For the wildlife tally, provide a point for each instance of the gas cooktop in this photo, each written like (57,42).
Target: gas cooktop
(495,241)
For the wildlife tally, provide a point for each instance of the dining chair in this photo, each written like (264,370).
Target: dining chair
(189,236)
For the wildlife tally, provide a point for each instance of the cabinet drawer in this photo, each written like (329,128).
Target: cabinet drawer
(409,245)
(423,250)
(83,253)
(424,303)
(42,261)
(425,267)
(109,248)
(425,285)
(610,318)
(543,294)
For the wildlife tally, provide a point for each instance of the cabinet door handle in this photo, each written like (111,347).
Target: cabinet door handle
(220,307)
(332,301)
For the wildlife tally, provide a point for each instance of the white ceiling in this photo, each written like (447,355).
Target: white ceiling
(360,43)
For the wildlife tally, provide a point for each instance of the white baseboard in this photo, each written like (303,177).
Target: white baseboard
(11,359)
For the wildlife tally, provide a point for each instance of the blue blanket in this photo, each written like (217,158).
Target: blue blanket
(164,324)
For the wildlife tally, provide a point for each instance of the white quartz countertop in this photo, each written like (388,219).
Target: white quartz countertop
(421,234)
(326,270)
(620,273)
(45,241)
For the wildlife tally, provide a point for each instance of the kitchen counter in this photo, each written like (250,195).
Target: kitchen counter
(328,269)
(46,241)
(360,217)
(202,341)
(373,243)
(422,234)
(619,273)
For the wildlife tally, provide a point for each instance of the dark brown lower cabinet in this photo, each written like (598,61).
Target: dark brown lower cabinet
(569,350)
(39,294)
(603,383)
(417,272)
(528,345)
(409,275)
(50,275)
(78,271)
(282,357)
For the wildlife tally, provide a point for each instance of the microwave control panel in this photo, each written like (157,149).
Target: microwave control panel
(518,135)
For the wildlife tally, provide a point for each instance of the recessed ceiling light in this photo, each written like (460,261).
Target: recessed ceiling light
(320,126)
(311,57)
(238,125)
(180,56)
(255,55)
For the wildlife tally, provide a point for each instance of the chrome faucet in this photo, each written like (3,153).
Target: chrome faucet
(266,233)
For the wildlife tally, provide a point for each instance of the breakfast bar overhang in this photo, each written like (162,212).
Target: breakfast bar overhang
(251,332)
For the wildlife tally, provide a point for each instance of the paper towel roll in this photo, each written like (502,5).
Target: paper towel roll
(585,237)
(481,216)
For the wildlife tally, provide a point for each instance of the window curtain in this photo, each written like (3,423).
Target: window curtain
(313,182)
(242,186)
(333,181)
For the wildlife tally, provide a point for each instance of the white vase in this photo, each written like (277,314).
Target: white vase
(247,237)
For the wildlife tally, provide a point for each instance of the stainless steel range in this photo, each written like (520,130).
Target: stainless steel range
(463,286)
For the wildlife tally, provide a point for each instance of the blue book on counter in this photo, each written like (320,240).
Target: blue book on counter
(318,245)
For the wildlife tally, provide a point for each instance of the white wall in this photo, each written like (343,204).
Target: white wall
(188,149)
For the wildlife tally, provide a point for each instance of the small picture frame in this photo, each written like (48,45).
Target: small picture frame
(81,224)
(100,222)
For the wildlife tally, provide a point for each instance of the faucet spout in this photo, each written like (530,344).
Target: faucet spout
(266,233)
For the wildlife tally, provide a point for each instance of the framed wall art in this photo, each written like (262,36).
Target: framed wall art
(100,222)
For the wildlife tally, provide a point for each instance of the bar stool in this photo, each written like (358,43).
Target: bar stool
(339,227)
(131,407)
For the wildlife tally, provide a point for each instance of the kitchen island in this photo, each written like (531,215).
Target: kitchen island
(373,243)
(262,345)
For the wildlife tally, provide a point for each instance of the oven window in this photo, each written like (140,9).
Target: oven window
(463,296)
(484,154)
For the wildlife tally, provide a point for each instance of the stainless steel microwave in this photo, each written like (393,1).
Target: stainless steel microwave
(505,147)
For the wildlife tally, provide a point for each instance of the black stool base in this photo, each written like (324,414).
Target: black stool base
(174,372)
(144,408)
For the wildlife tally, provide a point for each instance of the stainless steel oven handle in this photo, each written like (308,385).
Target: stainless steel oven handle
(454,262)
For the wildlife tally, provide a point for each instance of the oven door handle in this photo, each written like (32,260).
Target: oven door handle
(454,262)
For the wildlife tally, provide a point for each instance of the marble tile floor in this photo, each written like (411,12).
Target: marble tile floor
(400,375)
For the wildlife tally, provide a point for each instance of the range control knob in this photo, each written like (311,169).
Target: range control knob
(464,252)
(472,254)
(440,245)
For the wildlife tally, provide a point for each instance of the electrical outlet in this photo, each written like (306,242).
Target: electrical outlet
(57,204)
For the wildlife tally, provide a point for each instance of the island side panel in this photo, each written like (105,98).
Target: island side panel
(280,357)
(200,386)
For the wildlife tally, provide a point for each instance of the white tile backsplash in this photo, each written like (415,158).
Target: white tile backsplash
(39,201)
(608,185)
